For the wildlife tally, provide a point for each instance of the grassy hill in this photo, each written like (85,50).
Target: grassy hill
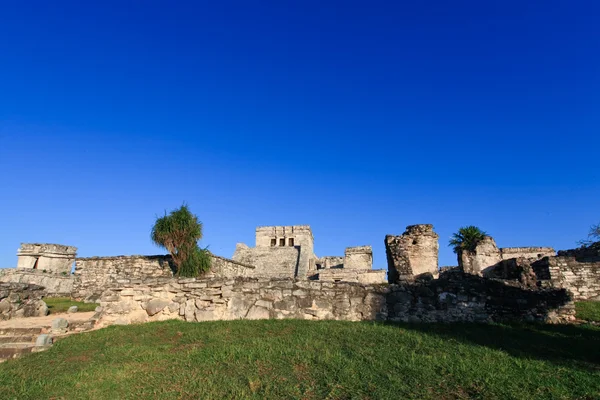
(312,360)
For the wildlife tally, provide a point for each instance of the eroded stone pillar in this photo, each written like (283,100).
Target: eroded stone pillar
(413,253)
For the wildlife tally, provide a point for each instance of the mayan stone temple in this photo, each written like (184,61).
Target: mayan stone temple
(282,277)
(287,252)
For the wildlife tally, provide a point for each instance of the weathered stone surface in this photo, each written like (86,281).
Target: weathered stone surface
(59,325)
(455,296)
(19,300)
(156,305)
(72,309)
(413,253)
(485,257)
(43,340)
(575,270)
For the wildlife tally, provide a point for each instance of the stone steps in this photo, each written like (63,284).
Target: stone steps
(15,342)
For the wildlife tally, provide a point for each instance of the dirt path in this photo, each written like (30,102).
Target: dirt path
(41,322)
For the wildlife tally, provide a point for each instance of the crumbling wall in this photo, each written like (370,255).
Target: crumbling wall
(454,297)
(55,285)
(19,300)
(413,253)
(360,257)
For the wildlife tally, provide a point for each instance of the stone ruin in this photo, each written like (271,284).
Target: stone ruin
(53,258)
(281,277)
(487,256)
(413,253)
(288,252)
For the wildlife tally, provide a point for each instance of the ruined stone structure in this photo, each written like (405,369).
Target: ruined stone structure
(54,258)
(487,256)
(576,270)
(413,253)
(56,285)
(93,275)
(288,252)
(282,278)
(453,297)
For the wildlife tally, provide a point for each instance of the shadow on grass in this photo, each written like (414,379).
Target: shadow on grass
(560,344)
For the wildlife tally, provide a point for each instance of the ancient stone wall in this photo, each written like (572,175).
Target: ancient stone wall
(96,274)
(582,279)
(330,262)
(413,253)
(270,262)
(526,252)
(453,297)
(55,285)
(360,257)
(367,276)
(19,300)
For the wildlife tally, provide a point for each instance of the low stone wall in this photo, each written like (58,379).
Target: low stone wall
(582,279)
(18,300)
(368,276)
(54,285)
(453,297)
(96,274)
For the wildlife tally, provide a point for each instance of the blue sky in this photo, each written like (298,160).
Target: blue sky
(358,118)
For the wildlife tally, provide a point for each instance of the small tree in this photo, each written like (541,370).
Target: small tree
(178,232)
(593,236)
(467,238)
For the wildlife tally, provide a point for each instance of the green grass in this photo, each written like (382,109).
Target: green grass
(292,359)
(62,304)
(588,310)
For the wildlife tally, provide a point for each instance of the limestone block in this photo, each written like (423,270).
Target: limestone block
(257,312)
(43,340)
(59,325)
(72,309)
(156,305)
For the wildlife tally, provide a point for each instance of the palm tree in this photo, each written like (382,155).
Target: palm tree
(467,238)
(179,232)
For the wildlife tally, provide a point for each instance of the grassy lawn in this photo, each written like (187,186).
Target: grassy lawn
(588,310)
(62,304)
(312,360)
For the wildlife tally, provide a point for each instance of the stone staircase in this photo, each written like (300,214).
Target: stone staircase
(17,341)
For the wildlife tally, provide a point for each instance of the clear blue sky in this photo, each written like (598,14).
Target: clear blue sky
(358,118)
